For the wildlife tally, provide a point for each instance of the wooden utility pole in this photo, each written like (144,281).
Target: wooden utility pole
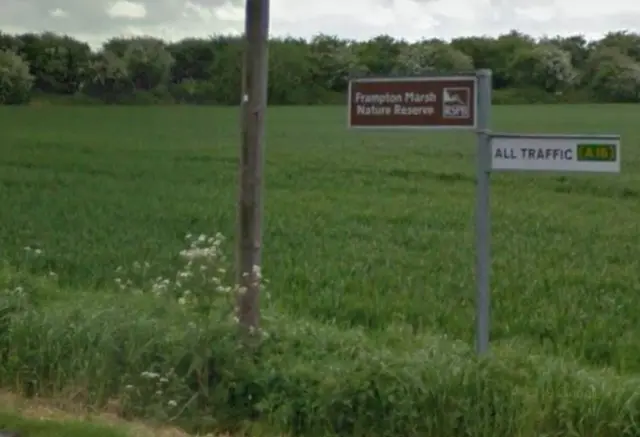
(253,108)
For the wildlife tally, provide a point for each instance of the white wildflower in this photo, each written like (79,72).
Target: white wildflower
(257,272)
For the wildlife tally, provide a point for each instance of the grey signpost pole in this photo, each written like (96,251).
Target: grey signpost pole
(483,216)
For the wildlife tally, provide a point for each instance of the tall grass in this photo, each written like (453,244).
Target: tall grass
(160,358)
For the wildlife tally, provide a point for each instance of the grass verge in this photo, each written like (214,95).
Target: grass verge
(51,428)
(51,418)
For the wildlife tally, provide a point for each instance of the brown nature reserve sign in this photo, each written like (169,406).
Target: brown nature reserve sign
(413,103)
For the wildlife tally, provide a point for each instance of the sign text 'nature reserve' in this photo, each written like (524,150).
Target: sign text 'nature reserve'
(427,103)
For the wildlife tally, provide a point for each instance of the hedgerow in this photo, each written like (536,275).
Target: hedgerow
(15,79)
(147,70)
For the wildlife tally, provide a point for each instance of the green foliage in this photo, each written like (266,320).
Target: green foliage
(546,67)
(505,47)
(577,47)
(15,80)
(426,57)
(190,91)
(379,54)
(148,63)
(613,76)
(144,70)
(627,43)
(482,51)
(334,61)
(290,73)
(58,63)
(109,78)
(193,59)
(226,71)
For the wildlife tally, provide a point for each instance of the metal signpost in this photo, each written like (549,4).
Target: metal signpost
(463,101)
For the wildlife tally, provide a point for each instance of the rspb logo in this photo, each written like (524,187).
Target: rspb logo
(456,102)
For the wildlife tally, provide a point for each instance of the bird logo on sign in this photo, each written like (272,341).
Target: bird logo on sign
(456,102)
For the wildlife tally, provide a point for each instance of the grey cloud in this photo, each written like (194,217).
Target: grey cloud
(88,20)
(88,16)
(35,15)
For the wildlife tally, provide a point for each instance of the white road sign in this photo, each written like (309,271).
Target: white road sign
(564,153)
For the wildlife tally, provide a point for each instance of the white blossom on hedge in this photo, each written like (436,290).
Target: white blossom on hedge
(15,79)
(425,57)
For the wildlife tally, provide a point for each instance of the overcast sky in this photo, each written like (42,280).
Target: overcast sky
(96,20)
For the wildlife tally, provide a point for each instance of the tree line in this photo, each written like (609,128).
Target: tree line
(145,70)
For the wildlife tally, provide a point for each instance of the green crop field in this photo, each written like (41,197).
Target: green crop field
(365,233)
